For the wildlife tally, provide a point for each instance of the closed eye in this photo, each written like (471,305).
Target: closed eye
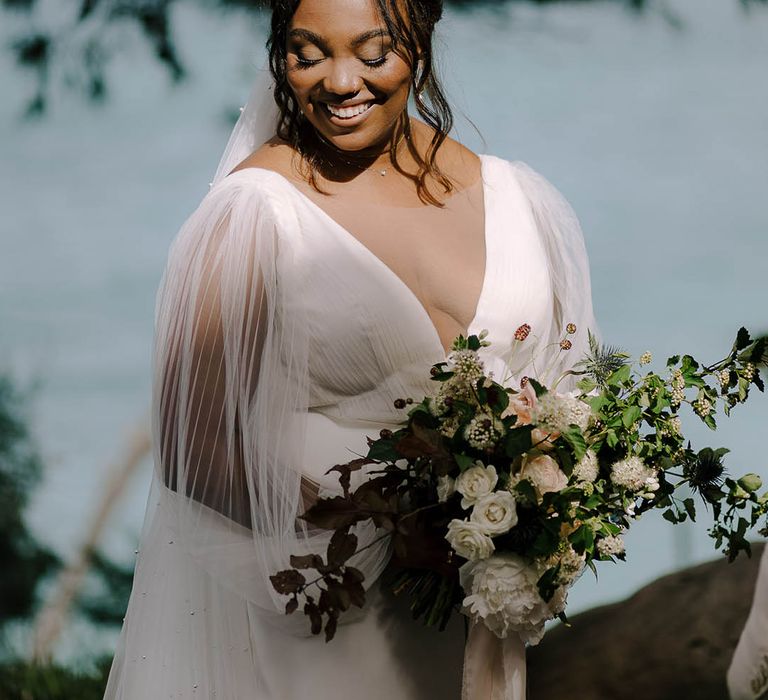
(376,62)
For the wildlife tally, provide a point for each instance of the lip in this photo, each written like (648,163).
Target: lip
(347,121)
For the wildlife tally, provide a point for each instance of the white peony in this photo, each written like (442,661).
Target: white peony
(476,482)
(446,487)
(504,596)
(545,474)
(495,513)
(469,540)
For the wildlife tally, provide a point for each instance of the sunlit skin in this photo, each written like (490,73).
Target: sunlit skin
(340,55)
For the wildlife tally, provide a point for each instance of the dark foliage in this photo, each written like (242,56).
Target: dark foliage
(21,681)
(88,39)
(23,561)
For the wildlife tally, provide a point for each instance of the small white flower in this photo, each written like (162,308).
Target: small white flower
(466,364)
(446,486)
(610,546)
(557,412)
(571,566)
(476,482)
(631,473)
(495,513)
(484,431)
(645,358)
(469,540)
(587,468)
(703,407)
(504,595)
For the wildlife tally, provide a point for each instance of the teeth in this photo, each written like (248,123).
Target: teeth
(349,112)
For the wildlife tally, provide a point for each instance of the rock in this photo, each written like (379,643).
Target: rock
(672,640)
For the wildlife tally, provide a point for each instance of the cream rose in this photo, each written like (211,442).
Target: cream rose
(469,540)
(495,513)
(545,475)
(522,405)
(476,482)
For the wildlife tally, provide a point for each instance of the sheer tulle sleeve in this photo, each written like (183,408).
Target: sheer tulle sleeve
(568,267)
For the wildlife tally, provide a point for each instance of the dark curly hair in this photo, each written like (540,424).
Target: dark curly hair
(410,24)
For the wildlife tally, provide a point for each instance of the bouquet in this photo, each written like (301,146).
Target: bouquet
(512,488)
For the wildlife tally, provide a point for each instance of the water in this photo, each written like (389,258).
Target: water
(657,135)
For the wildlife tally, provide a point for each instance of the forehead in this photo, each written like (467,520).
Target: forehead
(330,18)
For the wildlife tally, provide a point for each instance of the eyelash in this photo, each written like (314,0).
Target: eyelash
(303,63)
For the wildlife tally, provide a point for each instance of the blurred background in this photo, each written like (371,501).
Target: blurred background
(650,117)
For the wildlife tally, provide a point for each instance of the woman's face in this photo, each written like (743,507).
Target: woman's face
(350,84)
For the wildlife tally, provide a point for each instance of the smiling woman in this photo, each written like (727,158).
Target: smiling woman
(343,245)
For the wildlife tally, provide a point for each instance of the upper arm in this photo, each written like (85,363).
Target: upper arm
(212,322)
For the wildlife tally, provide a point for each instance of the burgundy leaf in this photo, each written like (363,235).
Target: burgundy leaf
(341,547)
(287,581)
(306,561)
(334,513)
(330,629)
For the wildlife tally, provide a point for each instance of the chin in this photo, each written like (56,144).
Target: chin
(354,141)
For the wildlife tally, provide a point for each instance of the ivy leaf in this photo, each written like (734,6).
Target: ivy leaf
(575,439)
(518,441)
(630,415)
(463,461)
(742,339)
(671,516)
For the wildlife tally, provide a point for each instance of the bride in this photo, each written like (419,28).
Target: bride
(343,244)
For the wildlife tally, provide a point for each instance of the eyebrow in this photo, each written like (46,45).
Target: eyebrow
(357,41)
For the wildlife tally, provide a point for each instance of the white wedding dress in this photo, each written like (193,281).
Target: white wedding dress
(281,342)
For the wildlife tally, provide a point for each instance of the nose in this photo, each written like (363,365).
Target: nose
(343,77)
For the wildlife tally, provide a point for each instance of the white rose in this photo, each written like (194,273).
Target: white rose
(446,487)
(496,513)
(545,475)
(504,596)
(469,540)
(476,482)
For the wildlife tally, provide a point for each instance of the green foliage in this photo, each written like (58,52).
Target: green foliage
(24,681)
(107,605)
(87,45)
(23,561)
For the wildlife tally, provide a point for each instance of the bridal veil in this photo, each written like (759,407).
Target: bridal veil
(229,413)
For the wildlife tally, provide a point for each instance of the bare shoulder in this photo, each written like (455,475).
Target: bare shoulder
(461,164)
(275,155)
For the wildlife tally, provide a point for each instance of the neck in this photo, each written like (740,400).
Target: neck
(336,164)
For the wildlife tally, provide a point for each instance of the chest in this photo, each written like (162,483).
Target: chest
(437,253)
(369,328)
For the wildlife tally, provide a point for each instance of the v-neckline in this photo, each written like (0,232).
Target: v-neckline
(390,272)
